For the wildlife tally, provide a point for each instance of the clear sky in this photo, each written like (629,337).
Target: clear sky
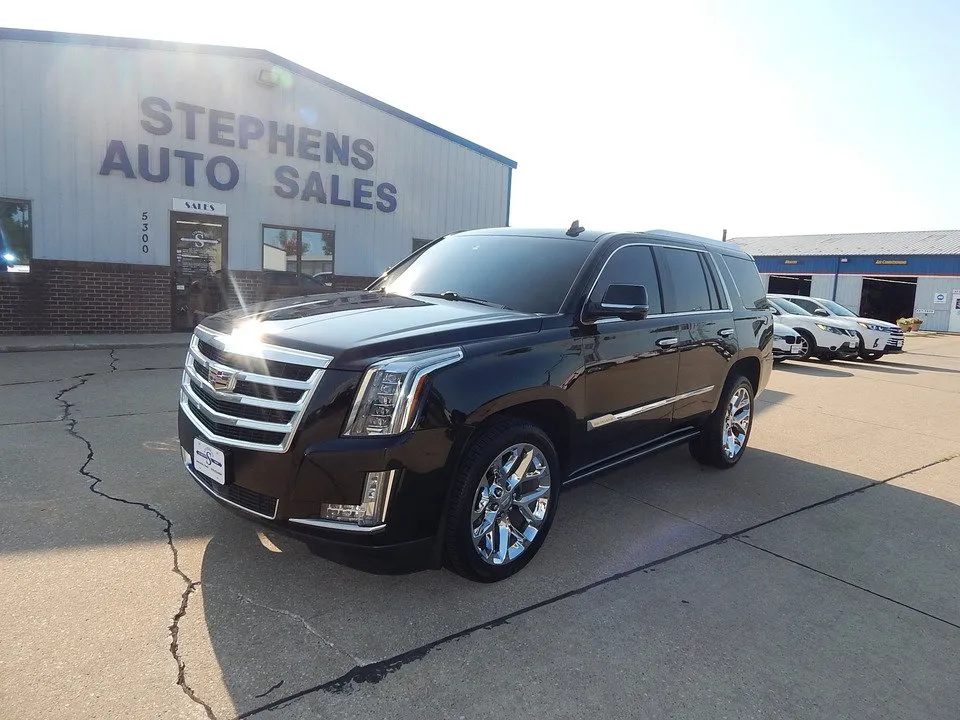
(764,117)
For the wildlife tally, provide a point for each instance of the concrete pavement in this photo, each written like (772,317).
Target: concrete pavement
(816,580)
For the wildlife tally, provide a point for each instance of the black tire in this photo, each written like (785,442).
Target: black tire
(808,346)
(708,447)
(461,555)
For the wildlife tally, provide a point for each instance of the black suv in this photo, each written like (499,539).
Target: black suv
(437,414)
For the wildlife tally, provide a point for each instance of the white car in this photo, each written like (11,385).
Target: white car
(877,337)
(822,338)
(786,343)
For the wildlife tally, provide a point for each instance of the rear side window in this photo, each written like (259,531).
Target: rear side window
(806,304)
(631,265)
(749,284)
(691,288)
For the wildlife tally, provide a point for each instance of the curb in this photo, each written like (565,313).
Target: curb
(93,345)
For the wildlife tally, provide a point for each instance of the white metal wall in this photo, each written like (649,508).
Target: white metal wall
(821,286)
(927,289)
(849,289)
(60,106)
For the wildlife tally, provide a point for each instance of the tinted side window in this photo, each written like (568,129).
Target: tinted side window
(717,301)
(805,304)
(631,265)
(690,290)
(749,284)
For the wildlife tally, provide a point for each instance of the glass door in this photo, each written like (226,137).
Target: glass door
(198,254)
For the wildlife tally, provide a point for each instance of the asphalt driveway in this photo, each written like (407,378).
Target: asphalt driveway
(819,579)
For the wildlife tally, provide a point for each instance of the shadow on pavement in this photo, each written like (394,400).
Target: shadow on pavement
(911,366)
(816,370)
(278,617)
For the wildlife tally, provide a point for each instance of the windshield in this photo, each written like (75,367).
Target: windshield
(837,308)
(528,274)
(788,307)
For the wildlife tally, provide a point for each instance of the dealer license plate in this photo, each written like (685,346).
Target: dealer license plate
(795,349)
(209,460)
(898,343)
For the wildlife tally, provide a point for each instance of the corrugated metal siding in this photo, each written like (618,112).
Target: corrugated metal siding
(927,288)
(849,288)
(913,242)
(821,286)
(60,105)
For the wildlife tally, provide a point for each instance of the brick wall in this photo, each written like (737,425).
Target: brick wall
(63,297)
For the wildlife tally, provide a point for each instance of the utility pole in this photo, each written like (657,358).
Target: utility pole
(724,235)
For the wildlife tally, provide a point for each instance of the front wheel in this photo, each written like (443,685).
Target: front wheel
(503,501)
(724,437)
(808,346)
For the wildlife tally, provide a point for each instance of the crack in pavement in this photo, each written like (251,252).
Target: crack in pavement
(303,621)
(113,360)
(849,583)
(89,417)
(191,585)
(373,673)
(72,377)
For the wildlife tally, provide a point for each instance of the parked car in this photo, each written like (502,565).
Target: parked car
(437,414)
(309,284)
(876,337)
(786,343)
(819,337)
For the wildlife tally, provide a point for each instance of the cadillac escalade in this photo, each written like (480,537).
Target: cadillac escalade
(438,414)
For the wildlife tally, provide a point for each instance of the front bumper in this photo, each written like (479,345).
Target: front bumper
(278,489)
(783,348)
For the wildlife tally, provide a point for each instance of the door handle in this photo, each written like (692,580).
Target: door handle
(726,332)
(667,342)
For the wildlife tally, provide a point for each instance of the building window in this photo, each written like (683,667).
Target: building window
(16,235)
(302,250)
(419,243)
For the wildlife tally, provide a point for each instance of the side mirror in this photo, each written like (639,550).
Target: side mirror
(626,302)
(821,312)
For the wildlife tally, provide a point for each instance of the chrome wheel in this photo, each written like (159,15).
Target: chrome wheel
(736,422)
(510,504)
(804,348)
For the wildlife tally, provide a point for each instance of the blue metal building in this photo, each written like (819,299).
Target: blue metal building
(886,275)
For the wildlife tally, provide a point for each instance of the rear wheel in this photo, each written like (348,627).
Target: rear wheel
(724,437)
(503,501)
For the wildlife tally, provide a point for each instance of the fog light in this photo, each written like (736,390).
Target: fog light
(344,513)
(372,509)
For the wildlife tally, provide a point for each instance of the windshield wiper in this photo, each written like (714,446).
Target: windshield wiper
(451,295)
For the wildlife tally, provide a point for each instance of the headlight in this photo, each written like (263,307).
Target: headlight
(871,326)
(387,400)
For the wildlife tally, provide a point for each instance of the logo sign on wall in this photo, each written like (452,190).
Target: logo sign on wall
(940,298)
(199,207)
(311,165)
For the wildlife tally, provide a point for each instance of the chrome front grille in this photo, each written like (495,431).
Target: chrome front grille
(246,394)
(895,334)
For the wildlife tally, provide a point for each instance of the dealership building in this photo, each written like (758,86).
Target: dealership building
(146,184)
(885,275)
